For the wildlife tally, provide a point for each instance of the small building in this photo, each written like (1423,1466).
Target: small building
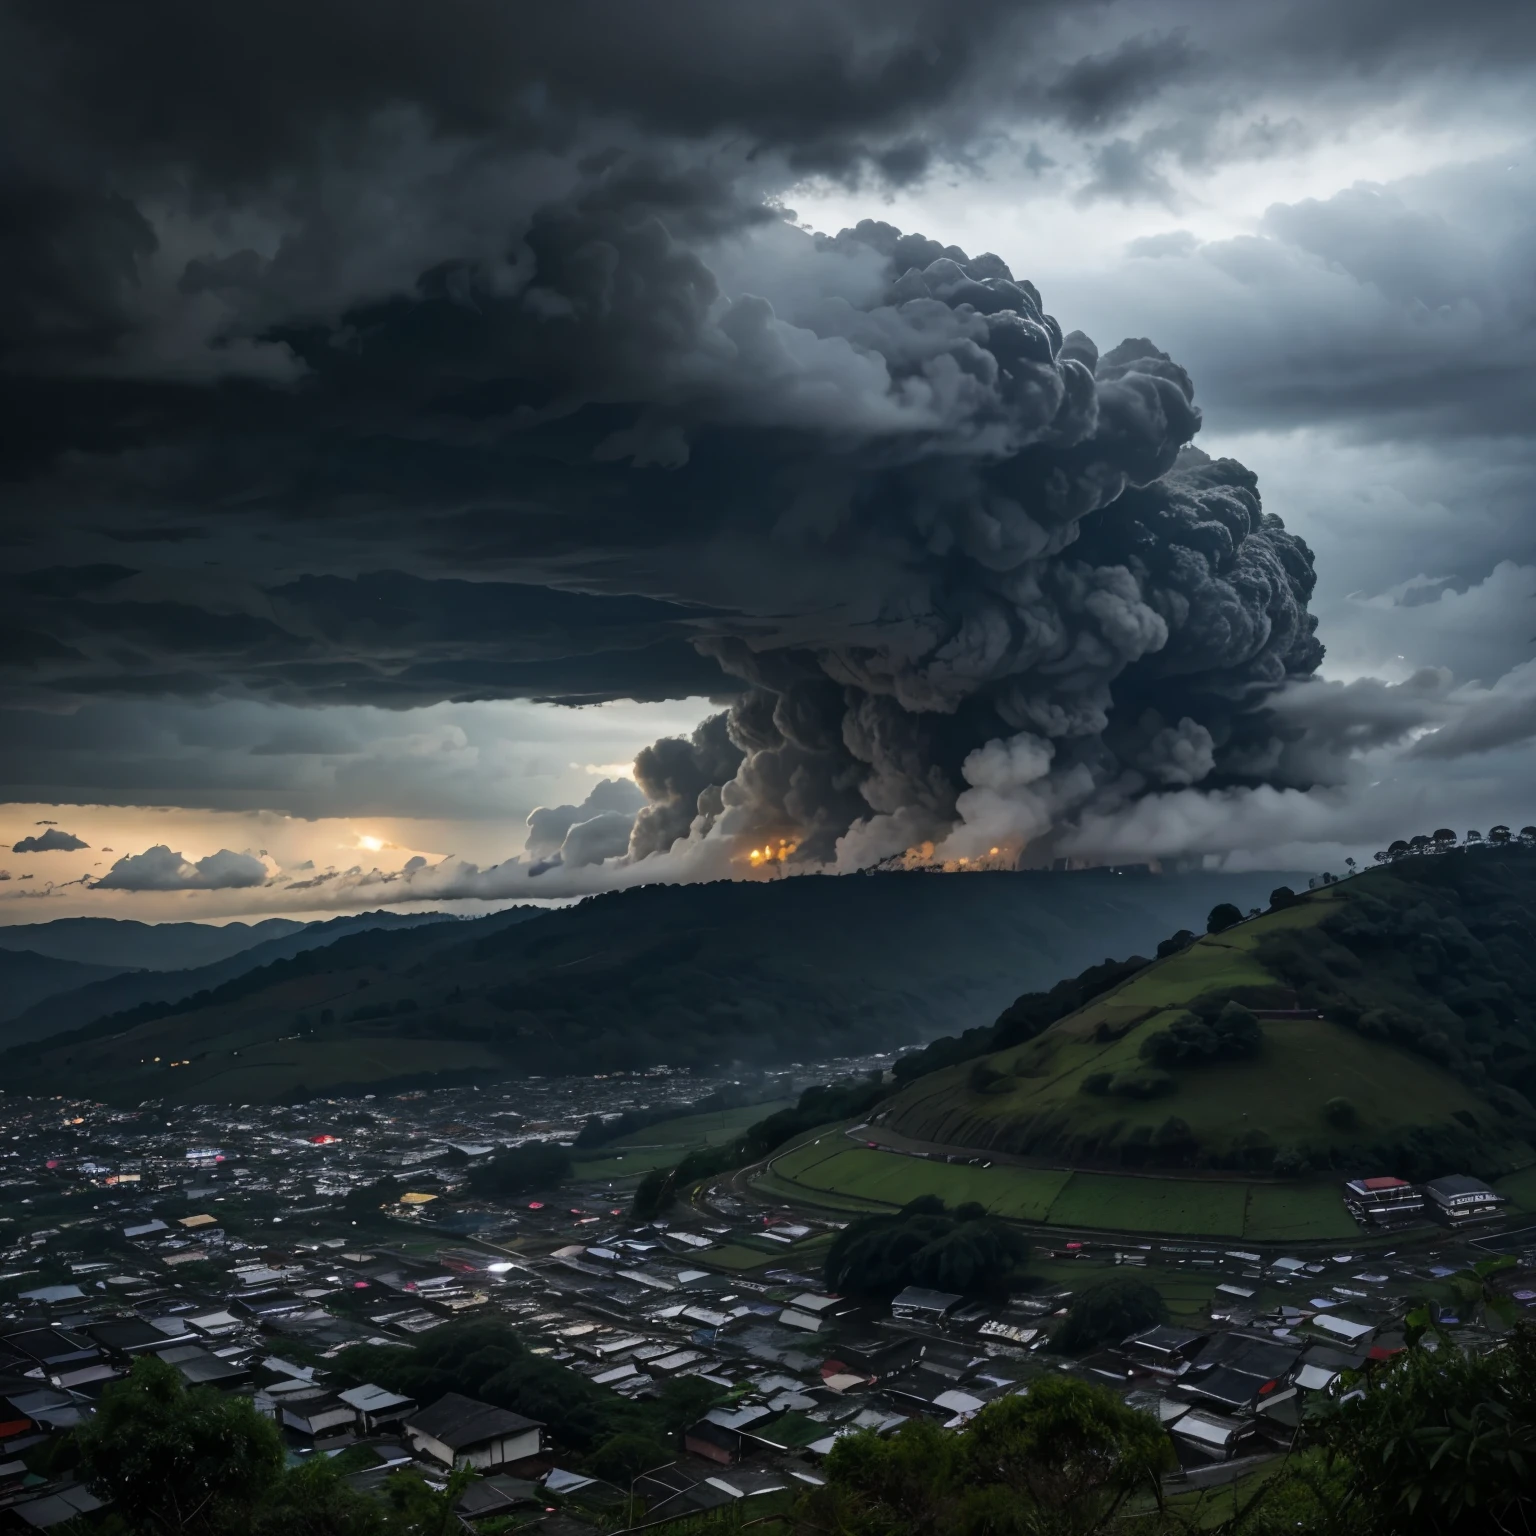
(713,1442)
(1458,1200)
(1383,1203)
(460,1431)
(1165,1347)
(376,1407)
(1212,1434)
(316,1413)
(917,1304)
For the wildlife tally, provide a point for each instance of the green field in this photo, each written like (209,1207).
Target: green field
(830,1171)
(1281,1212)
(1177,1206)
(833,1166)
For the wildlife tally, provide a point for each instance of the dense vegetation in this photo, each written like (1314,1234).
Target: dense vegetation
(1228,1032)
(1437,955)
(963,1251)
(520,1170)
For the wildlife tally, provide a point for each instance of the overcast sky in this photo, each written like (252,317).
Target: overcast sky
(413,412)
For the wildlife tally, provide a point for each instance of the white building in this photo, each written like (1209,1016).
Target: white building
(459,1431)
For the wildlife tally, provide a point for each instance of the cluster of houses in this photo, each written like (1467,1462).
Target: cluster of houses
(231,1254)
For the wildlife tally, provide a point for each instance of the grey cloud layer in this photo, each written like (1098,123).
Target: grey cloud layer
(477,364)
(159,869)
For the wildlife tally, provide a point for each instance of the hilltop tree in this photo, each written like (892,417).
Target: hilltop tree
(1444,838)
(1474,837)
(1222,916)
(1528,836)
(1110,1311)
(1498,835)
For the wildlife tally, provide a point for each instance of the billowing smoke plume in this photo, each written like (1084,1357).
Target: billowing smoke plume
(1063,605)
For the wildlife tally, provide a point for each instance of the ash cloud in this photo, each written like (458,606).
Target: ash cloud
(485,363)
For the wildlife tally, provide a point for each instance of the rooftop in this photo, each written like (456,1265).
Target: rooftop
(458,1421)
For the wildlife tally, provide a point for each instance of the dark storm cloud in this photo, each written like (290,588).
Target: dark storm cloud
(1099,89)
(378,355)
(54,840)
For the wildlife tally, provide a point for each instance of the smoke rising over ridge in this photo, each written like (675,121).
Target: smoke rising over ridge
(1059,605)
(376,381)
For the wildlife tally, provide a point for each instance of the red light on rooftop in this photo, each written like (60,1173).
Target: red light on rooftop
(535,1205)
(323,1140)
(359,1285)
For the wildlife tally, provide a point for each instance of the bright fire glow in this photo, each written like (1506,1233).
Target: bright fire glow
(372,844)
(771,853)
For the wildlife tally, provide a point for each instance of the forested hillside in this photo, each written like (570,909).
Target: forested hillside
(796,969)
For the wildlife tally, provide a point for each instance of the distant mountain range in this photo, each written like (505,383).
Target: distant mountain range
(135,946)
(790,970)
(49,987)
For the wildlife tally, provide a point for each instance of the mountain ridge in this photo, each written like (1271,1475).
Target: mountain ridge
(794,969)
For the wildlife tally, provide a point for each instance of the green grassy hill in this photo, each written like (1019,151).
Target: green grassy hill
(764,972)
(1424,972)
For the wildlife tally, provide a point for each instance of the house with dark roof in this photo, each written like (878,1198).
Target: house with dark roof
(1459,1200)
(461,1431)
(712,1441)
(1165,1347)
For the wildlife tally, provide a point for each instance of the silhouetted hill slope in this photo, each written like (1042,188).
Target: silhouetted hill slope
(795,969)
(26,978)
(1409,1045)
(54,1013)
(131,945)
